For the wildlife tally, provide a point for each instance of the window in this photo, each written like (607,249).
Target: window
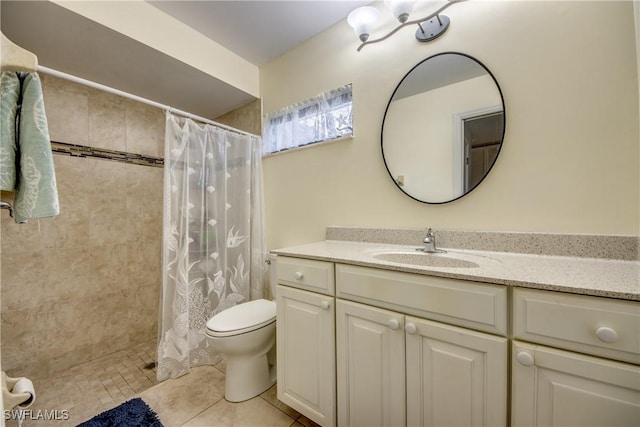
(321,118)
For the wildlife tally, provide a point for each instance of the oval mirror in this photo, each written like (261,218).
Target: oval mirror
(443,128)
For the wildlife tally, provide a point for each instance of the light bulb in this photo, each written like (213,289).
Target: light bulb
(363,20)
(400,8)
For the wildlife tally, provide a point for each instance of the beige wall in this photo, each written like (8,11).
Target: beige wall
(86,283)
(570,157)
(247,117)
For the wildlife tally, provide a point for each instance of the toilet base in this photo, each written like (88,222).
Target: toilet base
(247,377)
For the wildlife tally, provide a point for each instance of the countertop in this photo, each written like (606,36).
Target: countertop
(586,276)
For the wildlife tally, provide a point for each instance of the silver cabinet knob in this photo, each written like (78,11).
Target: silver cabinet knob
(299,275)
(410,328)
(525,358)
(325,305)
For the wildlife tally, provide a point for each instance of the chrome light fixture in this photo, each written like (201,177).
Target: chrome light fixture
(400,8)
(364,19)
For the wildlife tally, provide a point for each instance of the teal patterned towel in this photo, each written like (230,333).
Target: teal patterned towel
(26,162)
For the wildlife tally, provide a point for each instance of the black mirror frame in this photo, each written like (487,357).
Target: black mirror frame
(504,124)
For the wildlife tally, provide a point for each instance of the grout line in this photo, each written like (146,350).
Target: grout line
(204,410)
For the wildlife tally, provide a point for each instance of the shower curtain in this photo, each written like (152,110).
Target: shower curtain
(213,245)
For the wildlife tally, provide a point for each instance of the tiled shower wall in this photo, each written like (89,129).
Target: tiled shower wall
(86,283)
(247,117)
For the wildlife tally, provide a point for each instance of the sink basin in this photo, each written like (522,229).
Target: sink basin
(422,259)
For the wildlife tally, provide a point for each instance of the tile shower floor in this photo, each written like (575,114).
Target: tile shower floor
(195,399)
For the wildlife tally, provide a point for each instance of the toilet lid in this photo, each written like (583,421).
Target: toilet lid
(248,315)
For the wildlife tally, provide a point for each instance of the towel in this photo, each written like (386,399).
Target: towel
(26,161)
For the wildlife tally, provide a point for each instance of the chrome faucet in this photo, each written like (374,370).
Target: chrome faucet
(430,244)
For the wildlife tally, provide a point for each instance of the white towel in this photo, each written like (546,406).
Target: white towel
(26,162)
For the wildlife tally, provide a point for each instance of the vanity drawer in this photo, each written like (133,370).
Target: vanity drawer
(593,325)
(312,275)
(472,305)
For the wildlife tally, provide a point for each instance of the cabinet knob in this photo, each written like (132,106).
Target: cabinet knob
(394,324)
(410,328)
(299,275)
(325,305)
(525,358)
(606,334)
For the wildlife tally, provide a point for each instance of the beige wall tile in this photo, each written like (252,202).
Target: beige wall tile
(69,274)
(21,237)
(16,321)
(67,109)
(107,127)
(108,268)
(145,129)
(143,317)
(86,283)
(106,346)
(144,204)
(144,333)
(247,117)
(107,180)
(69,359)
(24,276)
(143,263)
(71,227)
(19,360)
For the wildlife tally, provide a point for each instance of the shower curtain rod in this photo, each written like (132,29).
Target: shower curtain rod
(133,97)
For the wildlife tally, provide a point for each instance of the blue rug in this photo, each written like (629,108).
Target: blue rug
(132,413)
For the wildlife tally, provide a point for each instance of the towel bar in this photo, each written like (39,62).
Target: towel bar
(6,205)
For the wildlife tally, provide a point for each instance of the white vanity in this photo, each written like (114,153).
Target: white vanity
(506,339)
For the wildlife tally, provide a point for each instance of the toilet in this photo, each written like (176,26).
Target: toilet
(244,334)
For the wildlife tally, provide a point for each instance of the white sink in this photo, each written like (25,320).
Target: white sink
(438,260)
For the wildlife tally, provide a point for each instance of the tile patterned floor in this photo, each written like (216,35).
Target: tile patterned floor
(196,399)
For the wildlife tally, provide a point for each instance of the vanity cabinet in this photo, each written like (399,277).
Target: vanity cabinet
(396,370)
(305,338)
(455,376)
(370,361)
(552,387)
(561,387)
(362,346)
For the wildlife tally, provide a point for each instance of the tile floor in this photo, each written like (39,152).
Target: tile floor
(195,399)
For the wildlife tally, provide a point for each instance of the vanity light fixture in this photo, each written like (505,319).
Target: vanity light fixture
(363,21)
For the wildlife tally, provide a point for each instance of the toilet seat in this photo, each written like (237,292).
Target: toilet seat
(242,318)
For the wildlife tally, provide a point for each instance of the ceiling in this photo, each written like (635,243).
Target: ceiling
(258,31)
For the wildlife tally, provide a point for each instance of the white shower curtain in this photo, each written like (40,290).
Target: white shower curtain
(213,247)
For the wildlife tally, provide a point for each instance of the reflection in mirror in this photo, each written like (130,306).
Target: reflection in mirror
(443,128)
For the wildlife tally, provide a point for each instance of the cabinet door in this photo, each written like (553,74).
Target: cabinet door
(559,388)
(305,337)
(370,366)
(455,376)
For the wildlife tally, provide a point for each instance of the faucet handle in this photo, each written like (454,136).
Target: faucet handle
(429,237)
(430,243)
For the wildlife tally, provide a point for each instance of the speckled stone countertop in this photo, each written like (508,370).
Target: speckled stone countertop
(611,278)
